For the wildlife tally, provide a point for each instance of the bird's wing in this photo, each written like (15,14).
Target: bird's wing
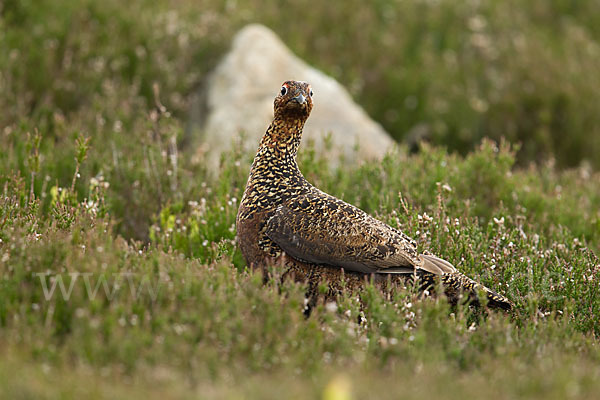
(321,229)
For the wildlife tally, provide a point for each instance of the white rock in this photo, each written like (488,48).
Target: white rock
(238,98)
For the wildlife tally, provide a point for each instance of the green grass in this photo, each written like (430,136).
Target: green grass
(183,315)
(96,194)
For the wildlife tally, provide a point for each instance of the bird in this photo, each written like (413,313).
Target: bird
(284,221)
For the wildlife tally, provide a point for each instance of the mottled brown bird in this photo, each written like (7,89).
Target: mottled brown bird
(285,221)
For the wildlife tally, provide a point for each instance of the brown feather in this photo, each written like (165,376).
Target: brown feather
(284,220)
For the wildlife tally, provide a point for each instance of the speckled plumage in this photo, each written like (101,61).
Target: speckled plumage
(285,221)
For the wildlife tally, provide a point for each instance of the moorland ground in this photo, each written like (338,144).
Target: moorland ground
(119,271)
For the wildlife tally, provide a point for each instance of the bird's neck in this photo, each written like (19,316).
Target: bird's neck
(280,143)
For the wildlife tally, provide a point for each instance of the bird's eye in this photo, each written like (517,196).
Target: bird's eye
(283,90)
(310,93)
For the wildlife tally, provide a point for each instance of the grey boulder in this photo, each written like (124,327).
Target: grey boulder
(237,101)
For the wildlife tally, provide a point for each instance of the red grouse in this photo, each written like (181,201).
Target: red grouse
(285,221)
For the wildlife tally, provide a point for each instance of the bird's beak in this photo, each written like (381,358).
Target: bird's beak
(300,99)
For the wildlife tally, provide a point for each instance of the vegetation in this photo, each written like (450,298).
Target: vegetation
(119,271)
(452,71)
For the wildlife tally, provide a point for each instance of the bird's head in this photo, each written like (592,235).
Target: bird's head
(294,100)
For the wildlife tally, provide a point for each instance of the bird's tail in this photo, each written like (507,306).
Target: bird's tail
(455,284)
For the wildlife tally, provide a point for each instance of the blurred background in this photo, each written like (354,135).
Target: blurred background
(451,72)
